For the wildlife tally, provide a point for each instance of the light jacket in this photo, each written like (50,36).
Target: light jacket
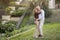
(42,14)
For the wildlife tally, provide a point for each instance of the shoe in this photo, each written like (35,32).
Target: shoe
(41,36)
(35,36)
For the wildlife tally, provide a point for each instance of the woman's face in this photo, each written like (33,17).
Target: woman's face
(37,10)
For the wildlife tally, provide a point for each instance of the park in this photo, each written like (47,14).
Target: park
(17,19)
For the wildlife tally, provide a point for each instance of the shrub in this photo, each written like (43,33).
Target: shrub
(22,5)
(2,29)
(9,27)
(8,11)
(48,12)
(12,3)
(17,13)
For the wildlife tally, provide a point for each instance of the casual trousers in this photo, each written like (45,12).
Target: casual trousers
(39,27)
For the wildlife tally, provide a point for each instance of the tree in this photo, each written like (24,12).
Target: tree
(44,5)
(57,1)
(6,2)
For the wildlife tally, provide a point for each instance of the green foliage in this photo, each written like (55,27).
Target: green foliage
(7,11)
(9,27)
(44,5)
(2,29)
(6,2)
(22,5)
(51,32)
(26,18)
(18,13)
(22,29)
(12,3)
(48,12)
(57,1)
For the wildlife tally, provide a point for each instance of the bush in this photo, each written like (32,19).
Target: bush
(18,13)
(9,27)
(12,3)
(2,29)
(7,11)
(22,5)
(48,12)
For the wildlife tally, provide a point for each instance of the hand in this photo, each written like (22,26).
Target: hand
(37,19)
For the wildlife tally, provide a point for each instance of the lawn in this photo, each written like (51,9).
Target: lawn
(51,32)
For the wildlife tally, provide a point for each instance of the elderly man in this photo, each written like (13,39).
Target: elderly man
(39,21)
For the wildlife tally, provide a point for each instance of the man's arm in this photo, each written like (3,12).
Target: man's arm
(42,15)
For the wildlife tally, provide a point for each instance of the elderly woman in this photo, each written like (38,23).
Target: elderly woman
(39,21)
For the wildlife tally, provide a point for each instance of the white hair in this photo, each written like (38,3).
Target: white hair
(38,7)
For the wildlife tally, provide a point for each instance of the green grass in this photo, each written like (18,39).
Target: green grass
(25,28)
(51,32)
